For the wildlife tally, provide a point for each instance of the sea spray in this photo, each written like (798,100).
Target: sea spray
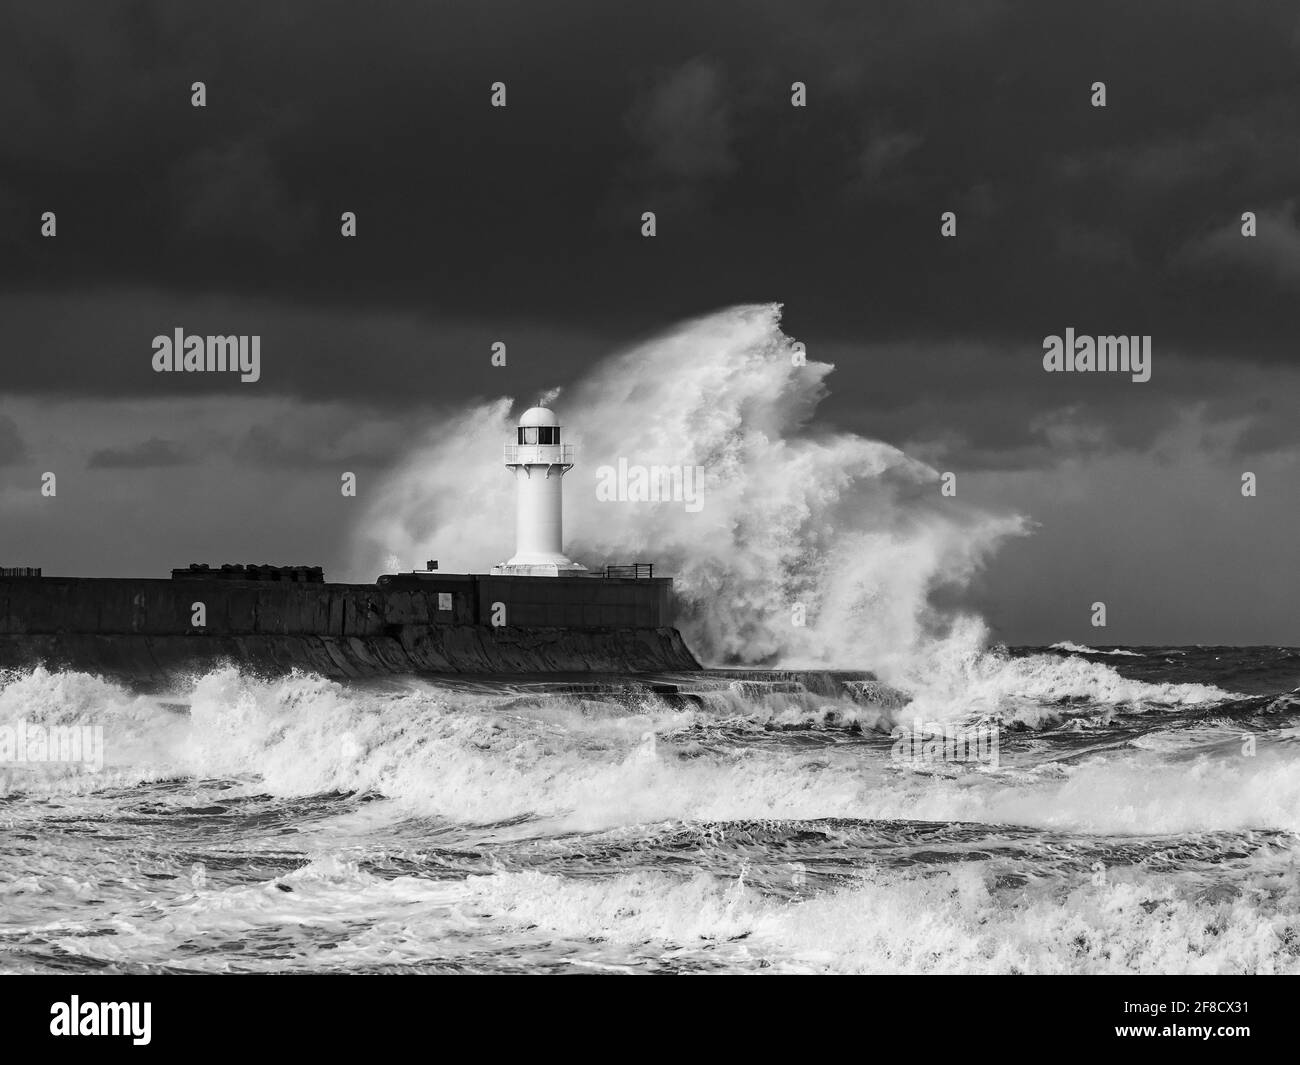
(812,548)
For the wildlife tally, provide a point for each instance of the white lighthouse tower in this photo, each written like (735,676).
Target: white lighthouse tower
(539,462)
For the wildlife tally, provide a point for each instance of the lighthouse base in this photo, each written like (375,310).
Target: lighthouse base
(539,569)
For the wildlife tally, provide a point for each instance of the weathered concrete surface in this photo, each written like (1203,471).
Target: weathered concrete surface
(102,605)
(428,649)
(146,630)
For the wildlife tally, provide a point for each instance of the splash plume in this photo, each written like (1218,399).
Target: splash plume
(848,532)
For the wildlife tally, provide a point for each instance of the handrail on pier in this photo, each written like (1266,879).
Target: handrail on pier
(637,571)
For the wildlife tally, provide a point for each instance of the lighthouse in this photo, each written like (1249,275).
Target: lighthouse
(539,460)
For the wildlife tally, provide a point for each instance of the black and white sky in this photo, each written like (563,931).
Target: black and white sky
(477,223)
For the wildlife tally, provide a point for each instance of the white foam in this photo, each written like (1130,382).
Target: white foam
(481,758)
(1076,648)
(953,920)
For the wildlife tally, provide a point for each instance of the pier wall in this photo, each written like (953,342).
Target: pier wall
(437,624)
(102,605)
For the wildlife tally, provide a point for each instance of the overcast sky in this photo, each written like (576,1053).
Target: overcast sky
(477,224)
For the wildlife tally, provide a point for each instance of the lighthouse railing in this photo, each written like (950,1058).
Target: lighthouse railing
(637,571)
(539,454)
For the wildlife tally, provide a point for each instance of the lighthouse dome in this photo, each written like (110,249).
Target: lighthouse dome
(538,416)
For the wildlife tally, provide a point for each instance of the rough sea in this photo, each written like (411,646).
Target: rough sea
(1128,810)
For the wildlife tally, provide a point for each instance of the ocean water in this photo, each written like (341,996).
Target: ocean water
(1140,815)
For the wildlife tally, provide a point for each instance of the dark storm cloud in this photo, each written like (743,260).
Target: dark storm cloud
(521,225)
(885,150)
(233,193)
(145,455)
(682,124)
(100,343)
(1106,248)
(961,405)
(477,224)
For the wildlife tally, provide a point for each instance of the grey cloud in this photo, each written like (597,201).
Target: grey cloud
(987,408)
(12,447)
(149,453)
(1272,255)
(333,437)
(886,150)
(682,127)
(1109,247)
(684,124)
(99,342)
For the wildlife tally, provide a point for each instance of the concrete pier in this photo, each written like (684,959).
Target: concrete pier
(407,623)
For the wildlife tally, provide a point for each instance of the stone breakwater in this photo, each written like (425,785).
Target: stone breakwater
(144,630)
